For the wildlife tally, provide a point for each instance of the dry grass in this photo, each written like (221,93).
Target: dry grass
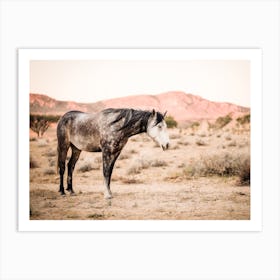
(85,167)
(98,160)
(124,156)
(41,142)
(96,216)
(228,138)
(184,143)
(175,136)
(158,163)
(137,166)
(200,142)
(224,164)
(232,144)
(50,153)
(49,172)
(202,135)
(129,180)
(244,173)
(141,164)
(185,182)
(33,163)
(174,147)
(52,162)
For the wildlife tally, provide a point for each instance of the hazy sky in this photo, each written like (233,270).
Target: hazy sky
(93,80)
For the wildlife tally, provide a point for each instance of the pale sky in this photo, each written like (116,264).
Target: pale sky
(94,80)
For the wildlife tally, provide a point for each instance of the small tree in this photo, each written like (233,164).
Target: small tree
(39,126)
(170,122)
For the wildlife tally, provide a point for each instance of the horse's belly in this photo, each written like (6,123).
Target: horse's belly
(88,145)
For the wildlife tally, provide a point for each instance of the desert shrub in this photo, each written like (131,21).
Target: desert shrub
(174,136)
(221,165)
(244,119)
(51,162)
(50,153)
(42,142)
(232,144)
(137,166)
(33,163)
(200,142)
(130,180)
(228,138)
(194,125)
(49,172)
(98,160)
(222,121)
(170,122)
(244,173)
(86,167)
(184,143)
(158,163)
(95,216)
(124,156)
(202,134)
(174,147)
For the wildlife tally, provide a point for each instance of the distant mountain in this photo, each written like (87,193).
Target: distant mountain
(182,106)
(43,104)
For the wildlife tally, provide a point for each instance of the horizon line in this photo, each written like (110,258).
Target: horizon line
(143,94)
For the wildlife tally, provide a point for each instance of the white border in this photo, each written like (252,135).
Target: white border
(253,55)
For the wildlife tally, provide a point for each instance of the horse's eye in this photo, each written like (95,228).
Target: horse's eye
(159,126)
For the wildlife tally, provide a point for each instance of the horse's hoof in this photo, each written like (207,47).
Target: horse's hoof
(108,196)
(72,193)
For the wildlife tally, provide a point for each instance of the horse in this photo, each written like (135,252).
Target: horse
(106,131)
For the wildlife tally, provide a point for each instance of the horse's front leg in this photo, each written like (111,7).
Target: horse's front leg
(109,159)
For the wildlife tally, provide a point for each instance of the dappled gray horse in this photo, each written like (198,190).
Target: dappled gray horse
(107,132)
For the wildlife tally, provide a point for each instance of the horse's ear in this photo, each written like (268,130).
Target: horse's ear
(164,114)
(153,113)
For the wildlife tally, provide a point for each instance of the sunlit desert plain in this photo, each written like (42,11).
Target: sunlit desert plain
(204,175)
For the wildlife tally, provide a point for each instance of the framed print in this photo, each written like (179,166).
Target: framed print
(139,139)
(210,70)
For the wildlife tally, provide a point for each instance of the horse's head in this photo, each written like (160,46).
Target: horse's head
(157,129)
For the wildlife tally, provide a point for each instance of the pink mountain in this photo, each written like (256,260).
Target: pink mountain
(182,106)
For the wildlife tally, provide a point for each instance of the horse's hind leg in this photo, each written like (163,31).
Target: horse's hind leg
(71,165)
(62,153)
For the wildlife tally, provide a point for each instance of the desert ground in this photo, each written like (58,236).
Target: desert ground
(201,177)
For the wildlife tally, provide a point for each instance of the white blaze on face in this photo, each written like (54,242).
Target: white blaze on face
(158,132)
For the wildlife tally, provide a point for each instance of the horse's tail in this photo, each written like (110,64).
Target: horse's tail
(57,161)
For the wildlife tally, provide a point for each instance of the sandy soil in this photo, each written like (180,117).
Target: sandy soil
(147,183)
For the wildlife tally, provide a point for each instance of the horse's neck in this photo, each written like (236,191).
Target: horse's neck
(139,125)
(137,128)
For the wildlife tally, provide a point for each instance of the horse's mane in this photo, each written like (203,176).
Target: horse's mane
(132,116)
